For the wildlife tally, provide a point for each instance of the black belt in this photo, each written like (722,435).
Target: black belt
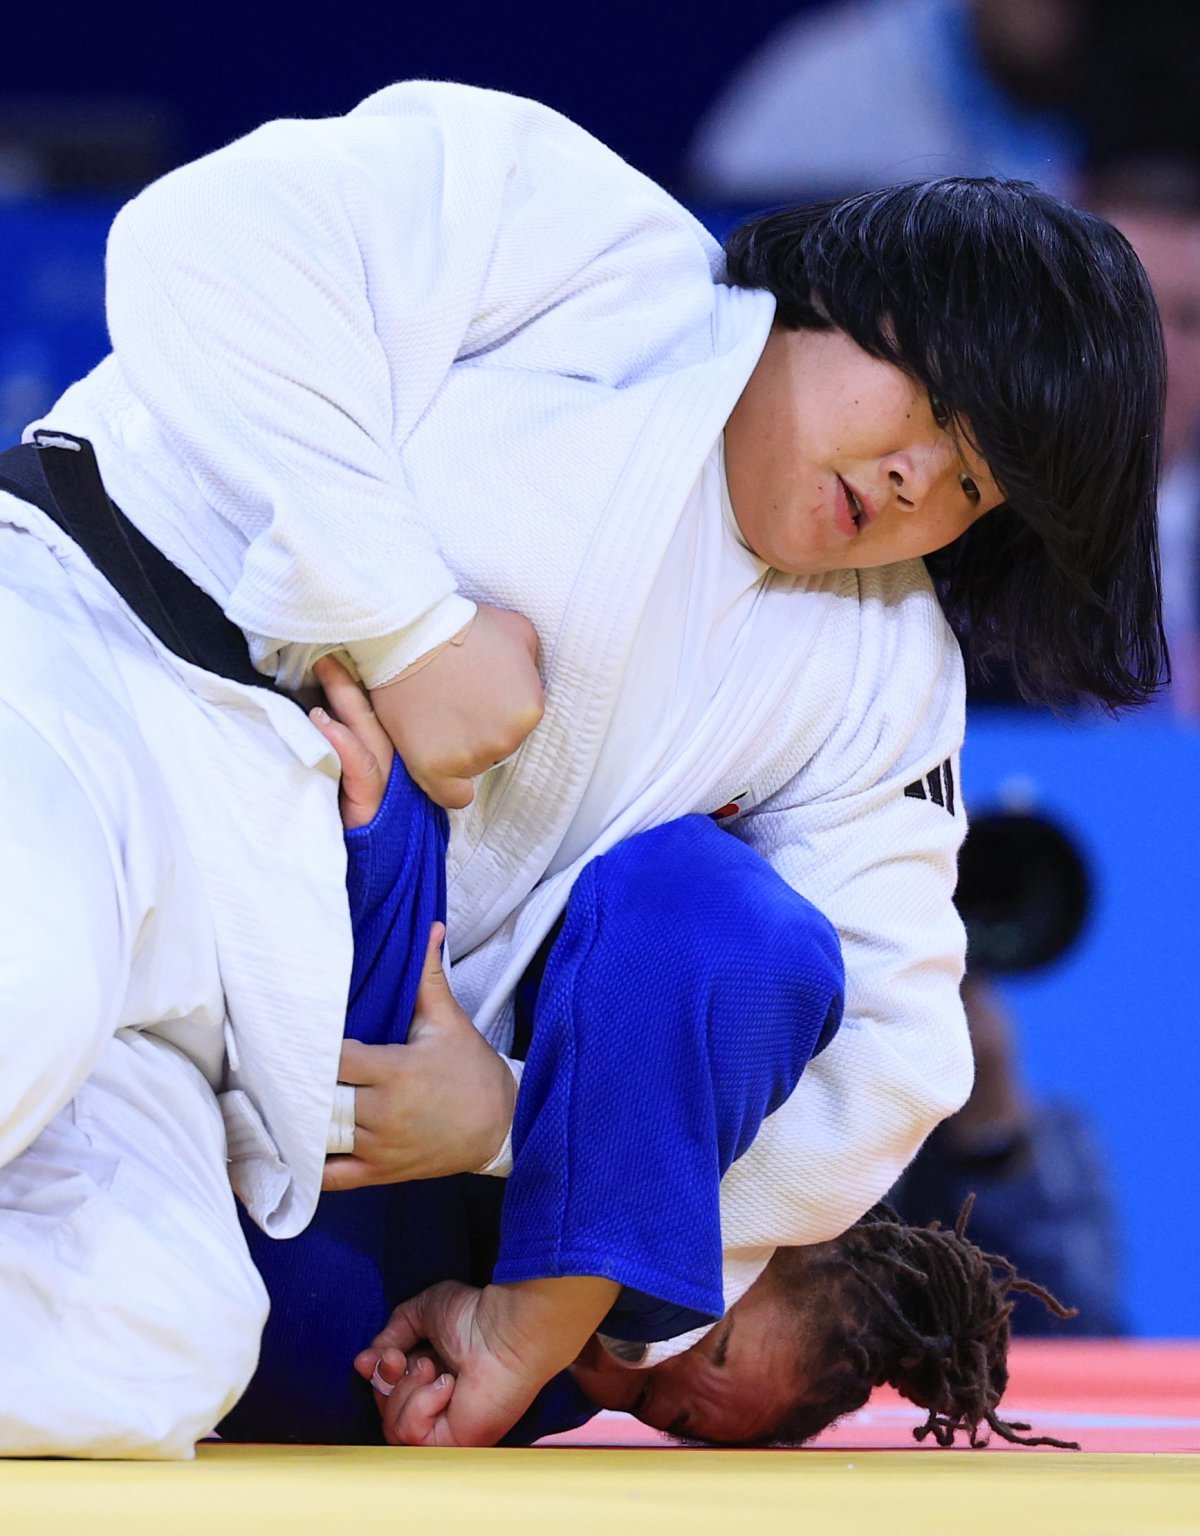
(58,473)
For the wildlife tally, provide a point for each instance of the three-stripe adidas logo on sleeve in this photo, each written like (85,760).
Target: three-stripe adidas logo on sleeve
(937,786)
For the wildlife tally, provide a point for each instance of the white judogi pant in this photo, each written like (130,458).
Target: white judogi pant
(130,1313)
(129,1309)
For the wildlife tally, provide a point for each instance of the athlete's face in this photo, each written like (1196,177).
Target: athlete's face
(838,461)
(734,1385)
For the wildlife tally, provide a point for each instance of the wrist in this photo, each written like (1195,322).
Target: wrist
(499,1164)
(551,1320)
(381,660)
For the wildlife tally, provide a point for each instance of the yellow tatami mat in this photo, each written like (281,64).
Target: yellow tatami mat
(614,1477)
(552,1491)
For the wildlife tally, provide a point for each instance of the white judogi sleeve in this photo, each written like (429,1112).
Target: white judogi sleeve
(288,307)
(881,864)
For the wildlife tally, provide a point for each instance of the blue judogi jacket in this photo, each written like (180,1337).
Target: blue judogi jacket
(674,1007)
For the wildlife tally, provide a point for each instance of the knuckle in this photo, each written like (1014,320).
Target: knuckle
(461,765)
(508,741)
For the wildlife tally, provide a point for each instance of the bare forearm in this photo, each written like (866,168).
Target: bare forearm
(551,1320)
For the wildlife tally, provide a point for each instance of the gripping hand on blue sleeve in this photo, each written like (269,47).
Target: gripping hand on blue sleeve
(442,1103)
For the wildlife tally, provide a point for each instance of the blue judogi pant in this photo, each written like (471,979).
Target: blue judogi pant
(674,1007)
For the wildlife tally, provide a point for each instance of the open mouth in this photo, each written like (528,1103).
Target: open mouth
(857,511)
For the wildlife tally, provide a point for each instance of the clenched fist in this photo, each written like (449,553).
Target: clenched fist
(467,709)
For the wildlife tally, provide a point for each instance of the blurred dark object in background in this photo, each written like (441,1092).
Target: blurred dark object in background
(79,144)
(1023,892)
(1139,91)
(1043,1192)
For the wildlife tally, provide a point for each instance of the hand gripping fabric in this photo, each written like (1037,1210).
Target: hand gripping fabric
(333,1287)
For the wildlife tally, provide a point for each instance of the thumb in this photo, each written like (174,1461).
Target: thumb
(433,989)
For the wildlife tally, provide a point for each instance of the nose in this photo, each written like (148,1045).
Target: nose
(914,472)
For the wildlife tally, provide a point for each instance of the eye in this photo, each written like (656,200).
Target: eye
(970,489)
(940,410)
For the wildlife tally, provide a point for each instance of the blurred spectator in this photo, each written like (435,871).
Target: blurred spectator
(868,92)
(1155,201)
(1043,1194)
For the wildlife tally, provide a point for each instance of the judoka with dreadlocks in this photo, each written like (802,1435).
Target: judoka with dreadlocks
(444,385)
(921,1308)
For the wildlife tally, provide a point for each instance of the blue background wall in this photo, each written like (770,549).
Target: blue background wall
(1116,1025)
(52,313)
(635,72)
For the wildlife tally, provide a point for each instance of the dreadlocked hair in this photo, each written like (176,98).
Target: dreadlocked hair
(927,1312)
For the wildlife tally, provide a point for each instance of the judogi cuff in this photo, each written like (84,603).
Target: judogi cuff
(501,1165)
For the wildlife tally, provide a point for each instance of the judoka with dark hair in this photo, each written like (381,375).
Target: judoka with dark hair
(615,533)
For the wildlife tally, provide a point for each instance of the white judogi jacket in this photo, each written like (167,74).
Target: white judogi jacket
(449,348)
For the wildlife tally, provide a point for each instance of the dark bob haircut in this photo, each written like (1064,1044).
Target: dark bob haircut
(1035,325)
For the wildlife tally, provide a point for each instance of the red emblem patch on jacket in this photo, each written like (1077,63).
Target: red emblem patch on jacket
(731,808)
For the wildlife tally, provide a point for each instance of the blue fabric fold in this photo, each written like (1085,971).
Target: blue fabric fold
(685,994)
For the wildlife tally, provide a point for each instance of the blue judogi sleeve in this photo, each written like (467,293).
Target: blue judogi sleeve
(396,887)
(687,990)
(334,1285)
